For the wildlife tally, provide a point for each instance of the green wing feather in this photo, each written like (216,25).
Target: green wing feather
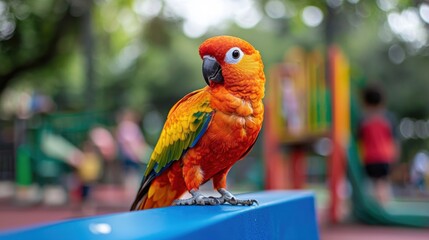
(186,123)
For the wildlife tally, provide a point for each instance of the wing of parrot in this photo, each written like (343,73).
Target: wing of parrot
(186,123)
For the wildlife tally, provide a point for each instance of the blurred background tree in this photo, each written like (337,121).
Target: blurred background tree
(145,52)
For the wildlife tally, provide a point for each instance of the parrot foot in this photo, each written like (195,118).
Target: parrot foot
(196,199)
(231,199)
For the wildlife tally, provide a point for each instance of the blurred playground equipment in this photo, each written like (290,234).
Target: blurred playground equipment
(47,144)
(298,98)
(309,112)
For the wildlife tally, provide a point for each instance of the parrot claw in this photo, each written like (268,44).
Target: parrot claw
(197,199)
(231,199)
(226,197)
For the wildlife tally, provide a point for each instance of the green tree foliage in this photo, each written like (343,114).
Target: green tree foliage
(31,35)
(143,59)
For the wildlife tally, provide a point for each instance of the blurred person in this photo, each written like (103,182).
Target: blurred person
(106,146)
(378,143)
(419,171)
(131,147)
(89,170)
(104,141)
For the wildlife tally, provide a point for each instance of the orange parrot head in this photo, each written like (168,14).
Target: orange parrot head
(232,62)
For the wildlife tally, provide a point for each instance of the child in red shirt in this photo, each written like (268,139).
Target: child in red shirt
(378,143)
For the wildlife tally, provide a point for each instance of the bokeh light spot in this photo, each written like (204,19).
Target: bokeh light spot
(100,228)
(406,128)
(387,5)
(312,16)
(396,54)
(424,12)
(334,3)
(275,9)
(147,8)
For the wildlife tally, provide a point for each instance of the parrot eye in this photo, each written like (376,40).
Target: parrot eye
(234,55)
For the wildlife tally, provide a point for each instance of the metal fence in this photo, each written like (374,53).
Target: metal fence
(7,162)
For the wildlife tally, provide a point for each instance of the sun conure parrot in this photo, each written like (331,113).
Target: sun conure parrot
(208,130)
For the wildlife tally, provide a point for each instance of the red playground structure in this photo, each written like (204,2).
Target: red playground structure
(308,100)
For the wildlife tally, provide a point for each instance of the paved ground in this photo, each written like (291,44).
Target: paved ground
(365,232)
(28,216)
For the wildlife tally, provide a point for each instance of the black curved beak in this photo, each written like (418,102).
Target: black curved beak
(212,71)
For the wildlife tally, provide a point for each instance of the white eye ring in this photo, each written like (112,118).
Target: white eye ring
(234,55)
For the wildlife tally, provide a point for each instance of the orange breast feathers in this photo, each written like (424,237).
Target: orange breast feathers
(234,128)
(236,116)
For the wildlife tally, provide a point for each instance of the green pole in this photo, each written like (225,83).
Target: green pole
(23,167)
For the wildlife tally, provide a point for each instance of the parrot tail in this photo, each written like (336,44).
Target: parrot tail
(142,193)
(159,195)
(156,192)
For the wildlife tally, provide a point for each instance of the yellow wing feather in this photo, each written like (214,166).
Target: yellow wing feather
(185,121)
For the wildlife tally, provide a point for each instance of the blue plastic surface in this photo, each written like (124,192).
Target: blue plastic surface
(279,215)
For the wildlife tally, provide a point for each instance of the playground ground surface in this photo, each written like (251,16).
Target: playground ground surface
(14,216)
